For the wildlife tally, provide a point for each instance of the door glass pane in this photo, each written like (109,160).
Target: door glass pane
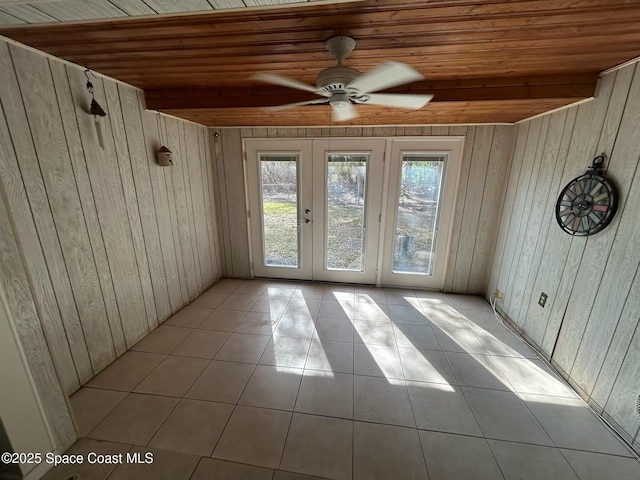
(417,215)
(280,236)
(346,188)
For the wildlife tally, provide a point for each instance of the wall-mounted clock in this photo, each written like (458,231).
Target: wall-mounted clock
(588,203)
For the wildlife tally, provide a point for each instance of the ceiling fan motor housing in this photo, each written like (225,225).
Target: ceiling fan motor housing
(336,79)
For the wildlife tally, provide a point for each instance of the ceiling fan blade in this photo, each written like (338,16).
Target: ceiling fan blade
(285,82)
(397,100)
(387,75)
(343,113)
(297,104)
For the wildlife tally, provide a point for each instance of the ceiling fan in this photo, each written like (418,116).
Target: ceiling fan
(343,86)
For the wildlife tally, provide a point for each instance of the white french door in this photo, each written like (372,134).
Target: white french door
(281,236)
(315,208)
(331,210)
(347,200)
(423,176)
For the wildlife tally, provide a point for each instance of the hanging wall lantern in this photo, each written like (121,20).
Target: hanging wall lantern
(95,109)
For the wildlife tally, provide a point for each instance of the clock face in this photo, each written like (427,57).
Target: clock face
(586,205)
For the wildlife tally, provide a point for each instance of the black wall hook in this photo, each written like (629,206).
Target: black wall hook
(597,166)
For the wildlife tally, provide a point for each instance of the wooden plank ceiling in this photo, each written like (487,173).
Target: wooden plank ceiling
(486,61)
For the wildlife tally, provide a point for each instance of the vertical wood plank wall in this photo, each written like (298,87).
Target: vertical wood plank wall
(23,314)
(589,326)
(112,244)
(486,160)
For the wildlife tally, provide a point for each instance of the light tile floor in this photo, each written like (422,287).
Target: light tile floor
(292,381)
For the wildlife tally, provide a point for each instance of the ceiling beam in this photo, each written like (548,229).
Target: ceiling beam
(437,113)
(467,90)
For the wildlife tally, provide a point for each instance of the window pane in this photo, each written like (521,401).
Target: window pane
(279,181)
(346,185)
(420,184)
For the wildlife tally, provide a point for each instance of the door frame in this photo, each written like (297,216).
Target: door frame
(252,149)
(311,180)
(453,147)
(375,147)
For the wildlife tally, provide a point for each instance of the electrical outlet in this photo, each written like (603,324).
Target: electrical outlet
(542,300)
(499,295)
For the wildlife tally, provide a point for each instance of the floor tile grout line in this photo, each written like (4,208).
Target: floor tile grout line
(353,423)
(517,393)
(284,445)
(573,449)
(535,417)
(87,435)
(129,392)
(180,399)
(456,377)
(112,473)
(395,341)
(484,435)
(474,415)
(512,385)
(242,393)
(464,395)
(195,469)
(503,439)
(166,355)
(424,457)
(509,388)
(232,412)
(406,386)
(555,447)
(519,442)
(340,417)
(328,417)
(495,459)
(166,322)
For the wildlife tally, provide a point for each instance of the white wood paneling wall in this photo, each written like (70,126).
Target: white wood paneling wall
(18,297)
(112,244)
(589,326)
(45,11)
(486,160)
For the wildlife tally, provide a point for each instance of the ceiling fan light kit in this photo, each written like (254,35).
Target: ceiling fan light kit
(342,87)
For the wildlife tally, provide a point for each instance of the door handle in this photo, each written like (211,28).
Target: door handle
(307,211)
(307,220)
